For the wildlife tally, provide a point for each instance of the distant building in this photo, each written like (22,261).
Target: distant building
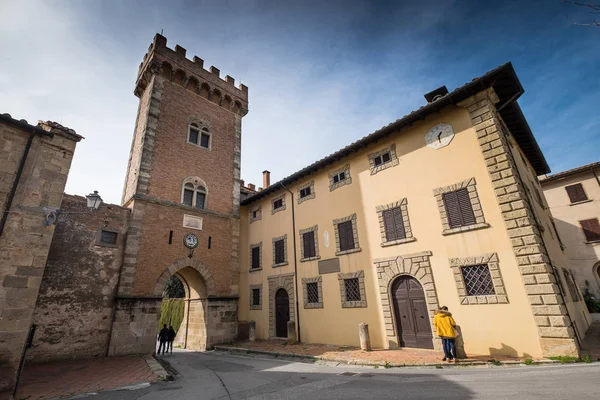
(574,200)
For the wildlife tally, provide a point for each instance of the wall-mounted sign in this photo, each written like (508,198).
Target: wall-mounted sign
(326,238)
(192,222)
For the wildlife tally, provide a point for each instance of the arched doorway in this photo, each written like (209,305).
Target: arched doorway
(413,326)
(282,313)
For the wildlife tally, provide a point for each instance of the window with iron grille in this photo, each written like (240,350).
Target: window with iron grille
(312,290)
(382,159)
(308,241)
(478,280)
(256,297)
(394,224)
(279,248)
(591,229)
(576,193)
(255,257)
(352,289)
(346,235)
(107,237)
(459,208)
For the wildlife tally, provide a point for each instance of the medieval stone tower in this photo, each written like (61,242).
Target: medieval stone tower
(183,178)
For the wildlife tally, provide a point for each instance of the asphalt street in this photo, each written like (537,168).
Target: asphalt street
(219,376)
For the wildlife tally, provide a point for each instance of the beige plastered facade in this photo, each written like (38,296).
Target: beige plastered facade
(583,256)
(531,318)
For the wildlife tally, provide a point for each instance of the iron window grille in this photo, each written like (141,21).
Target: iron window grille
(279,251)
(256,297)
(255,257)
(312,290)
(478,280)
(107,237)
(394,224)
(352,289)
(459,208)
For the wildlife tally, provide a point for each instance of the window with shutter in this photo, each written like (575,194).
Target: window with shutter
(394,224)
(591,229)
(346,235)
(458,208)
(576,193)
(279,252)
(308,240)
(255,257)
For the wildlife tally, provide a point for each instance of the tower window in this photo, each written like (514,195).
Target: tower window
(205,138)
(199,136)
(193,134)
(194,195)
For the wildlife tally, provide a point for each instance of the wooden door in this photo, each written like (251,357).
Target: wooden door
(410,309)
(282,313)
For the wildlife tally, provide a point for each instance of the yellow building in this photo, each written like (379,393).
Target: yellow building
(441,207)
(574,199)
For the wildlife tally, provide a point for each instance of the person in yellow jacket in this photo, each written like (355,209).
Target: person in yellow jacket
(444,327)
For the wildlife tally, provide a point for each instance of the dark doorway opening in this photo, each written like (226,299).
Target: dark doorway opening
(282,313)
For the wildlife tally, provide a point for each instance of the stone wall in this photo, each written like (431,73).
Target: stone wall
(135,326)
(25,238)
(75,305)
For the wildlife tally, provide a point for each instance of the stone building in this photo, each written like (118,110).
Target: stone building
(34,164)
(574,200)
(441,207)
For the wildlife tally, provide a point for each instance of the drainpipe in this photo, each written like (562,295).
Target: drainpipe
(13,189)
(595,176)
(295,263)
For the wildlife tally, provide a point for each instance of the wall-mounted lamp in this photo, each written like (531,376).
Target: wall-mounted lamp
(93,200)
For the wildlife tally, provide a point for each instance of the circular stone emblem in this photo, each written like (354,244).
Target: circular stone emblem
(190,241)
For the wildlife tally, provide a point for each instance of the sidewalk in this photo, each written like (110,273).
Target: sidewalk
(352,355)
(67,378)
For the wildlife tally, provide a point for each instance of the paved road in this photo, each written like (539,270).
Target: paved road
(218,376)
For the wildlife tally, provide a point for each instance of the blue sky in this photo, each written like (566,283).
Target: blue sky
(320,74)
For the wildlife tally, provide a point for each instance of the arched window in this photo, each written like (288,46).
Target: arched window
(194,194)
(199,136)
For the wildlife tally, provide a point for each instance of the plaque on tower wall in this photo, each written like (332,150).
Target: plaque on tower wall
(192,222)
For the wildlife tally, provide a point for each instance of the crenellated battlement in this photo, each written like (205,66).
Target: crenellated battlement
(172,64)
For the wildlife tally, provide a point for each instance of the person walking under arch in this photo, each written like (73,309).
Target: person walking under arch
(170,339)
(163,337)
(445,328)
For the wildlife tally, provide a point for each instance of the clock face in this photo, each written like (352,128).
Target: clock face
(190,241)
(439,136)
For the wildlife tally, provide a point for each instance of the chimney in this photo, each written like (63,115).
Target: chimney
(251,186)
(260,189)
(242,183)
(436,94)
(266,179)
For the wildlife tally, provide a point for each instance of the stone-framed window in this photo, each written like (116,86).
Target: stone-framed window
(194,192)
(306,192)
(256,297)
(394,223)
(339,177)
(478,280)
(309,244)
(255,214)
(107,238)
(312,290)
(352,289)
(280,251)
(256,256)
(346,235)
(278,204)
(200,136)
(383,159)
(459,207)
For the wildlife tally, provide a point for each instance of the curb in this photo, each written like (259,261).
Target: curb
(308,358)
(158,369)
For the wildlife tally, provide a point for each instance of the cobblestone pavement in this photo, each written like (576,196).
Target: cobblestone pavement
(66,378)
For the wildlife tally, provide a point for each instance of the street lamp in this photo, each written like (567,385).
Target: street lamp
(93,200)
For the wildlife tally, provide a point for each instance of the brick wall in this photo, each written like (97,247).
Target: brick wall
(74,309)
(26,239)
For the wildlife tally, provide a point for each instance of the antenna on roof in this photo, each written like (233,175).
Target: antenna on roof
(161,32)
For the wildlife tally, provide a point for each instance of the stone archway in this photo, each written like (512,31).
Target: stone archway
(199,285)
(418,266)
(276,282)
